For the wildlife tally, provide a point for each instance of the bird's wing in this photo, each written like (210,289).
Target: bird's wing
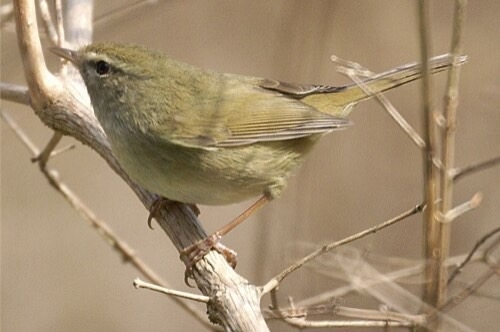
(241,114)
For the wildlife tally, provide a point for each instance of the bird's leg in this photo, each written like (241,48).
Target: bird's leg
(195,252)
(161,202)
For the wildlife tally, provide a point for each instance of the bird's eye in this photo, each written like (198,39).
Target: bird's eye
(102,68)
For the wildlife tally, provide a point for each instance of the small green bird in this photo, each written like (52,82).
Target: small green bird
(198,136)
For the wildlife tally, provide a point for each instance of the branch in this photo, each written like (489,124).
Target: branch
(448,158)
(47,22)
(471,253)
(105,231)
(352,70)
(462,296)
(274,282)
(461,209)
(396,276)
(15,93)
(138,283)
(41,83)
(297,317)
(458,173)
(430,174)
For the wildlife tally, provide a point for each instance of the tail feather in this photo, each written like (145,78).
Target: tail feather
(341,101)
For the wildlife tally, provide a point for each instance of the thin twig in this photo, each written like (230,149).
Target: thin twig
(492,247)
(128,255)
(60,151)
(61,42)
(459,210)
(14,93)
(458,173)
(302,311)
(46,153)
(103,229)
(384,315)
(372,318)
(47,22)
(388,277)
(462,296)
(391,110)
(138,283)
(331,307)
(59,23)
(467,259)
(302,322)
(274,282)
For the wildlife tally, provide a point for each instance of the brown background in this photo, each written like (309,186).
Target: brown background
(58,275)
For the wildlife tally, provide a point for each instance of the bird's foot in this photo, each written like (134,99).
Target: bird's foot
(162,202)
(192,254)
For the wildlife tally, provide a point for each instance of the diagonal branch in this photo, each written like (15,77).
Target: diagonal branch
(109,236)
(274,282)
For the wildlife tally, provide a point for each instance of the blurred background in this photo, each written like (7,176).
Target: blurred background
(57,273)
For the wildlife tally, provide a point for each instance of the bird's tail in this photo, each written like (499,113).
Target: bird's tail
(354,93)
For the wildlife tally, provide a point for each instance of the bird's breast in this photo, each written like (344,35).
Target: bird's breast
(209,177)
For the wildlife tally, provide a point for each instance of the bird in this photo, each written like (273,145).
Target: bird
(198,136)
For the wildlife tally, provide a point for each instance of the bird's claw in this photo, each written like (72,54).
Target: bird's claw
(195,252)
(160,203)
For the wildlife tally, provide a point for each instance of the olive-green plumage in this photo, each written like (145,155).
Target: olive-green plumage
(198,136)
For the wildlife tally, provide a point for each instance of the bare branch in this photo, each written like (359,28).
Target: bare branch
(59,23)
(430,173)
(458,173)
(471,253)
(41,83)
(15,93)
(47,22)
(462,296)
(297,317)
(43,157)
(19,133)
(138,283)
(354,70)
(448,158)
(461,209)
(395,276)
(105,231)
(274,282)
(303,323)
(384,315)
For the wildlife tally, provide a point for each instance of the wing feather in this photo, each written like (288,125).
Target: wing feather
(243,113)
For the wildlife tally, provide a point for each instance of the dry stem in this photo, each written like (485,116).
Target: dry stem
(274,282)
(103,229)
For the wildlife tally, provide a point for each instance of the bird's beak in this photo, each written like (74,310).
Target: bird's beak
(67,54)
